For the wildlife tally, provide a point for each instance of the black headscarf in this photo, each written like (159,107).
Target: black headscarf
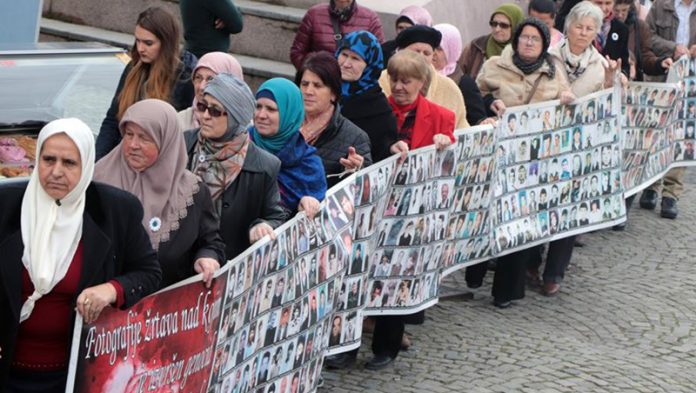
(528,68)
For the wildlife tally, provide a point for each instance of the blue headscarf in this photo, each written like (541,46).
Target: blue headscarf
(301,170)
(367,46)
(290,108)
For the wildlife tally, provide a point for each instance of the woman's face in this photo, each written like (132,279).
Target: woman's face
(581,33)
(439,59)
(501,28)
(212,127)
(266,117)
(405,89)
(60,166)
(352,65)
(147,44)
(530,45)
(200,79)
(317,96)
(139,149)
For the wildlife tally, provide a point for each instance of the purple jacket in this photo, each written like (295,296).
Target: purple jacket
(316,31)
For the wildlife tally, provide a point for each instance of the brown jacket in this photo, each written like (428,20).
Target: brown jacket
(663,22)
(503,80)
(649,62)
(473,56)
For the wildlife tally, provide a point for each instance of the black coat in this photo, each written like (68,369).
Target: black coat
(252,198)
(616,46)
(333,144)
(198,236)
(371,112)
(115,246)
(181,98)
(475,108)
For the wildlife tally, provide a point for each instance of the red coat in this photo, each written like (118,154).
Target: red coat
(431,119)
(316,31)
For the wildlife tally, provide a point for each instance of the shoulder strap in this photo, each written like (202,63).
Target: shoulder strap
(534,89)
(338,36)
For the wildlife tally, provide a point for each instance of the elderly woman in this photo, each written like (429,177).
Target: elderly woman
(445,60)
(68,244)
(150,163)
(159,69)
(324,25)
(524,73)
(419,123)
(276,130)
(341,145)
(242,179)
(363,101)
(503,23)
(208,66)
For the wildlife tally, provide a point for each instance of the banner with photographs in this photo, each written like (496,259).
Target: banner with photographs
(558,171)
(278,315)
(166,342)
(652,120)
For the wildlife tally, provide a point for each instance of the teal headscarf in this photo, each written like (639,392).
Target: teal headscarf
(290,108)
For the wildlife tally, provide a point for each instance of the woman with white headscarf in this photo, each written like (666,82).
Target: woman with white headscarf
(68,244)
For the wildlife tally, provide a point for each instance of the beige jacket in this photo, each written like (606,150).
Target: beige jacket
(443,91)
(503,80)
(591,80)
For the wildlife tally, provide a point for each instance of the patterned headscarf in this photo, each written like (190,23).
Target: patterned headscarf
(367,46)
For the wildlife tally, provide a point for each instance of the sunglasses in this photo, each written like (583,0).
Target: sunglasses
(502,25)
(214,112)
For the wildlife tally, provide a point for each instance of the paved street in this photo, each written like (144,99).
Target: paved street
(625,321)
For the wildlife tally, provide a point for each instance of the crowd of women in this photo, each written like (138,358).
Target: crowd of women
(192,167)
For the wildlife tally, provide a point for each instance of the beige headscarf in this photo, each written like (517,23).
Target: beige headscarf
(166,188)
(51,229)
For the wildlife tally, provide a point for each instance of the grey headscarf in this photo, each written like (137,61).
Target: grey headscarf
(237,99)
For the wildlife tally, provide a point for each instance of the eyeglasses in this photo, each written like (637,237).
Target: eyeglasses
(214,112)
(502,25)
(531,38)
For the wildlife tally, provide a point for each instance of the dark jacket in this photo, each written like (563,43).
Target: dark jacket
(182,97)
(475,108)
(473,56)
(251,199)
(115,246)
(316,32)
(388,50)
(370,111)
(616,46)
(333,144)
(198,236)
(639,44)
(664,22)
(198,19)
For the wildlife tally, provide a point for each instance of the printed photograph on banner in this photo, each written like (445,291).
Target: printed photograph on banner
(410,241)
(468,227)
(558,178)
(370,189)
(277,318)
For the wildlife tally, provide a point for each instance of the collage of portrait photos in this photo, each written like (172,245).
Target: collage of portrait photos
(405,259)
(684,116)
(468,229)
(649,131)
(277,319)
(370,189)
(558,171)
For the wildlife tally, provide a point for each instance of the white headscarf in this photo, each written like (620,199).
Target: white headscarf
(52,232)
